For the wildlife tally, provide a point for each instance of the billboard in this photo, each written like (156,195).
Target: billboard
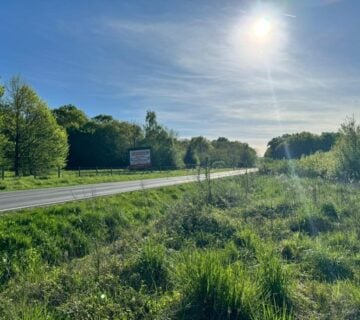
(140,158)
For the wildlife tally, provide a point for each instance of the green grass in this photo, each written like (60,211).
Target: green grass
(69,178)
(256,247)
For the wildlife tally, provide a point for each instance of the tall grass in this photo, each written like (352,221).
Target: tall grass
(255,250)
(274,280)
(214,289)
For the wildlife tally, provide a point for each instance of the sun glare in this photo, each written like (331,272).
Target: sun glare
(261,28)
(259,37)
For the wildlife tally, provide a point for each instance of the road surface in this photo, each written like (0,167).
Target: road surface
(16,200)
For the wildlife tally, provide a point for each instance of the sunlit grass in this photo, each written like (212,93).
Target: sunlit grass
(253,250)
(70,178)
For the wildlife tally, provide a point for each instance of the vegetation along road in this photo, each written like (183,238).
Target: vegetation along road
(40,197)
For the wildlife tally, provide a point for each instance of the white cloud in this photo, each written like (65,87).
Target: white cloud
(202,84)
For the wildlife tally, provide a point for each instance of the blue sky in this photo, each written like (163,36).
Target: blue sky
(192,62)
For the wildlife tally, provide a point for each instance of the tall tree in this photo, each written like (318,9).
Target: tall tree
(103,142)
(70,117)
(36,141)
(201,149)
(164,151)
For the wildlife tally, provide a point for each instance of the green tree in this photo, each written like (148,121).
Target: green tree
(232,153)
(3,139)
(201,148)
(347,151)
(190,158)
(70,117)
(294,146)
(164,151)
(103,142)
(36,142)
(103,118)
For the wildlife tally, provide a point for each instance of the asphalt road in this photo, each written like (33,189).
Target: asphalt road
(16,200)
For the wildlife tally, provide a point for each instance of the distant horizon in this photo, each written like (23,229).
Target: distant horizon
(244,70)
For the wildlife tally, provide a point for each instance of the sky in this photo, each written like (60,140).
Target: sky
(200,64)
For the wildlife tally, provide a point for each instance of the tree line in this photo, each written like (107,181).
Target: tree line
(35,139)
(294,146)
(329,155)
(105,141)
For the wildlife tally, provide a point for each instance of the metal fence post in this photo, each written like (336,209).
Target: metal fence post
(2,173)
(79,172)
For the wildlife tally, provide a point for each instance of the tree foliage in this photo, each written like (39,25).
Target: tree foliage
(70,117)
(294,146)
(220,152)
(198,151)
(35,142)
(164,151)
(103,142)
(233,153)
(347,151)
(34,139)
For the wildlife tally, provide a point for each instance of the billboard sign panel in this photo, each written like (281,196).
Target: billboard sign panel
(140,158)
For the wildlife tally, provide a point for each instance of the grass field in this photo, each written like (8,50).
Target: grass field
(249,247)
(69,178)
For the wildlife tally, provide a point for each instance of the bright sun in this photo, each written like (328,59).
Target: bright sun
(261,28)
(259,36)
